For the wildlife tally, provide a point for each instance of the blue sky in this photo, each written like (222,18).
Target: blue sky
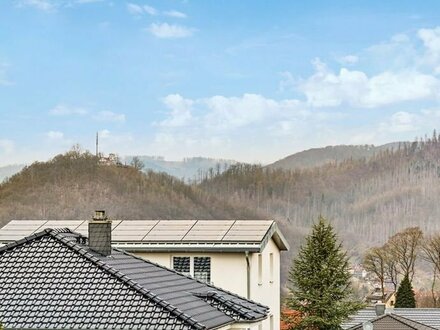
(247,80)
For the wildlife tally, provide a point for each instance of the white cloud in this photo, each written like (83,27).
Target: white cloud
(150,10)
(431,41)
(110,116)
(349,59)
(401,121)
(6,146)
(55,135)
(88,1)
(135,9)
(4,80)
(287,82)
(328,89)
(138,10)
(168,31)
(180,114)
(175,13)
(105,133)
(111,142)
(43,5)
(66,110)
(247,127)
(232,112)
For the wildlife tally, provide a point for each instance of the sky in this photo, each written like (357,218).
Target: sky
(252,81)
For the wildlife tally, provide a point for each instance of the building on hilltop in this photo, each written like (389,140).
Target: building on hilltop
(59,279)
(241,256)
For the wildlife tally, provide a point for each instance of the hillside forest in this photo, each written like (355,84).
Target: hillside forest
(367,199)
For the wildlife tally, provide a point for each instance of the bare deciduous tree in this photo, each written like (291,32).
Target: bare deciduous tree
(391,272)
(137,163)
(404,248)
(431,253)
(374,262)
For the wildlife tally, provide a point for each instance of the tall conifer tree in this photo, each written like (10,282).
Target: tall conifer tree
(405,295)
(320,281)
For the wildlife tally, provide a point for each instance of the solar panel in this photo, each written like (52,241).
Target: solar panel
(71,224)
(132,230)
(208,230)
(83,229)
(248,230)
(152,230)
(17,229)
(170,230)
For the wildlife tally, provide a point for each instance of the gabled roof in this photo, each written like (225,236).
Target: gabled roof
(394,322)
(426,316)
(52,280)
(160,235)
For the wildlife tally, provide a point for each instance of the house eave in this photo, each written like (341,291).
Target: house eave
(187,247)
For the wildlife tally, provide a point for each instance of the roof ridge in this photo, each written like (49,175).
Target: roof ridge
(125,279)
(399,318)
(24,240)
(191,278)
(220,298)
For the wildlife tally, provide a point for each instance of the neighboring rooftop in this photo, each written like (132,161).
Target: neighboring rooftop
(393,322)
(427,317)
(53,280)
(153,235)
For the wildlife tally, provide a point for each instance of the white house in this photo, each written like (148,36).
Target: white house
(242,256)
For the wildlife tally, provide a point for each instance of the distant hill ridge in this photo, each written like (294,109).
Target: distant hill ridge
(330,154)
(188,169)
(10,170)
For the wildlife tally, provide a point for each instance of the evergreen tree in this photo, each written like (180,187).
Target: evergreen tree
(320,281)
(405,295)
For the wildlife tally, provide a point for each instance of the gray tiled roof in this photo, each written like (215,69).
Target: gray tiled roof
(52,280)
(426,316)
(394,322)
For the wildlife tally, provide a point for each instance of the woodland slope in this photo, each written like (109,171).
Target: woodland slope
(72,185)
(367,200)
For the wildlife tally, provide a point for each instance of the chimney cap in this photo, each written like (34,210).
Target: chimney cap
(100,215)
(379,308)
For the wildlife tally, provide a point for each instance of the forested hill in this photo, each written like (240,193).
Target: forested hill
(366,200)
(330,154)
(72,185)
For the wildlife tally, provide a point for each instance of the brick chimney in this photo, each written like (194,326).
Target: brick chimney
(100,233)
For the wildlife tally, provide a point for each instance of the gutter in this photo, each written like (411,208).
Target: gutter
(248,276)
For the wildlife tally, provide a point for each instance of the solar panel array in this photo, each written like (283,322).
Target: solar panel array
(151,230)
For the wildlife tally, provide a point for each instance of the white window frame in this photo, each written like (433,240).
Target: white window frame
(191,264)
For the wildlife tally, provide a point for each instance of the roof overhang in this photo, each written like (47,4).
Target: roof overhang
(275,233)
(187,247)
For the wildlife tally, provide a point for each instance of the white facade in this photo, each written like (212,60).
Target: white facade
(229,271)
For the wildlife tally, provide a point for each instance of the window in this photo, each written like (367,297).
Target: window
(182,265)
(197,267)
(271,267)
(202,269)
(260,269)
